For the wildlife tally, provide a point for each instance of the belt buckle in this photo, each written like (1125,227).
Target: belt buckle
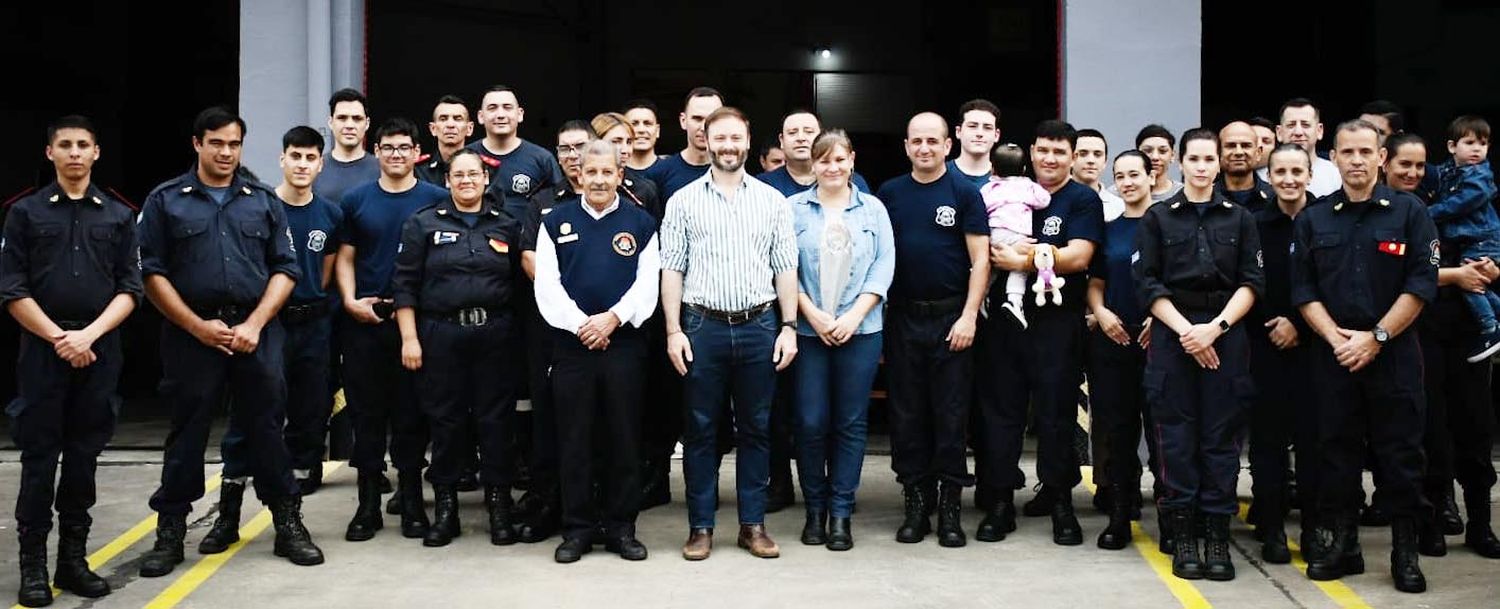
(476,316)
(735,318)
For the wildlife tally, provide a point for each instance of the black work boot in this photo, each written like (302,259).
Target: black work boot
(1338,552)
(999,519)
(1065,528)
(293,542)
(1430,540)
(226,528)
(34,590)
(1404,568)
(916,525)
(1216,563)
(1041,504)
(1448,513)
(950,528)
(1478,536)
(497,502)
(73,573)
(1186,562)
(1164,531)
(1116,535)
(815,529)
(167,552)
(414,521)
(930,496)
(367,517)
(1271,530)
(543,523)
(444,516)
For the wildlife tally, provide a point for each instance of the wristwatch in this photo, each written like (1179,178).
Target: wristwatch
(1381,336)
(1223,325)
(789,324)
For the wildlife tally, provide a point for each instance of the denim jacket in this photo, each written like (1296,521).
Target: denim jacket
(874,255)
(1462,206)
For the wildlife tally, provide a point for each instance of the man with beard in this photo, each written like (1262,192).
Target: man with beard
(671,173)
(729,265)
(451,127)
(1237,153)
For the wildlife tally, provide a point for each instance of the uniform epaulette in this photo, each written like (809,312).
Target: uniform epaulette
(18,196)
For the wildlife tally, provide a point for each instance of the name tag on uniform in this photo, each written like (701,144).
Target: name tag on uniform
(1394,248)
(444,237)
(567,238)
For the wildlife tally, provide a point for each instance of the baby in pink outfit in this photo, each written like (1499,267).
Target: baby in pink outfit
(1009,199)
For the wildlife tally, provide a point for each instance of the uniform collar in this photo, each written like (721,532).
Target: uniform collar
(446,208)
(1179,202)
(1382,198)
(190,184)
(1261,187)
(54,194)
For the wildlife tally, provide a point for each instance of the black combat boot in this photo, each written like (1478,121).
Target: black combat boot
(226,528)
(1448,512)
(815,529)
(444,516)
(1164,531)
(414,521)
(544,522)
(1404,568)
(1430,541)
(1065,528)
(1116,535)
(367,517)
(1041,504)
(840,534)
(293,542)
(1186,562)
(73,573)
(999,518)
(497,502)
(950,528)
(167,552)
(1338,552)
(917,524)
(1271,530)
(930,497)
(34,590)
(1478,536)
(1216,563)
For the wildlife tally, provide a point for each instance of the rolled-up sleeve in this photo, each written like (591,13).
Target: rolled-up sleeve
(127,261)
(674,243)
(1421,269)
(15,259)
(1252,272)
(151,237)
(783,239)
(282,257)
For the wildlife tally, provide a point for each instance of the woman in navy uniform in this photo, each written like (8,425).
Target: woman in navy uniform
(455,273)
(1198,271)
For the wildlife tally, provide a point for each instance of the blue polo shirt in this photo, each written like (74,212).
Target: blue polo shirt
(977,180)
(781,179)
(372,224)
(316,233)
(1076,212)
(673,172)
(1112,264)
(930,223)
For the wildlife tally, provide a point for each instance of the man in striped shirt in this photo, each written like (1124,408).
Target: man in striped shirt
(729,263)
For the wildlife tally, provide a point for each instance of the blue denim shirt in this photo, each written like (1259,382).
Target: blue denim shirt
(1461,207)
(874,259)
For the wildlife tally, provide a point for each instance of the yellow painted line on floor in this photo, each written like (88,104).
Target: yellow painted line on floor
(129,537)
(208,565)
(1187,594)
(1341,594)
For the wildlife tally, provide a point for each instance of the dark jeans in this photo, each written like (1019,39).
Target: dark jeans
(930,389)
(598,397)
(382,398)
(730,363)
(1284,414)
(307,401)
(832,401)
(1040,367)
(467,375)
(198,380)
(1484,305)
(66,412)
(1199,417)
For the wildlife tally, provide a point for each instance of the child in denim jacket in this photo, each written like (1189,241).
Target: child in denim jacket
(1466,218)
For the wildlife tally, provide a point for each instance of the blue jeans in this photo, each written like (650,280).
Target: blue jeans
(832,401)
(730,362)
(1485,306)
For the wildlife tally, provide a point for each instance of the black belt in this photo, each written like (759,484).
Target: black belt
(1187,300)
(295,314)
(931,308)
(733,318)
(229,314)
(470,317)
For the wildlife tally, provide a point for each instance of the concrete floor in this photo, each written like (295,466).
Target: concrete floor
(1025,570)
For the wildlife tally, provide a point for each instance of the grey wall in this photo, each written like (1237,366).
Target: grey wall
(1127,64)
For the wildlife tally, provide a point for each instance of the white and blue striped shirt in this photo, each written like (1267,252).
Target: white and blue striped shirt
(728,251)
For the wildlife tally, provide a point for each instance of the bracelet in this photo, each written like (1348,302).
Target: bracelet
(790,325)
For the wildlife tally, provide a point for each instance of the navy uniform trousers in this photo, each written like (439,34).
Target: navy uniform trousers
(1040,367)
(468,374)
(308,403)
(382,399)
(597,395)
(1284,415)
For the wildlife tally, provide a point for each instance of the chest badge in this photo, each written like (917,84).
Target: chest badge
(1394,248)
(499,246)
(624,244)
(315,240)
(521,183)
(566,228)
(946,216)
(444,237)
(1052,226)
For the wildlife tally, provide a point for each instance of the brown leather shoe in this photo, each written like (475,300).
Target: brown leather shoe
(700,542)
(753,537)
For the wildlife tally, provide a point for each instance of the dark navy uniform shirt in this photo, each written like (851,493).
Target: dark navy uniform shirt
(1075,212)
(639,189)
(446,265)
(316,232)
(372,224)
(1357,257)
(977,180)
(215,254)
(520,173)
(431,168)
(1197,254)
(931,223)
(1257,198)
(71,256)
(673,172)
(781,179)
(1112,264)
(1275,228)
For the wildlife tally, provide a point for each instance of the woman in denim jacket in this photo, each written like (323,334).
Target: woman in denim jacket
(846,258)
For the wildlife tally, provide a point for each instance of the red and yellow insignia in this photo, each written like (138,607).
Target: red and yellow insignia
(1394,248)
(624,244)
(499,246)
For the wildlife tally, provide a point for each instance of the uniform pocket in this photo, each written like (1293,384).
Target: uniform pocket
(44,233)
(256,229)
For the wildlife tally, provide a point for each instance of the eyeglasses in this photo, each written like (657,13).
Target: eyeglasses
(563,149)
(404,149)
(470,176)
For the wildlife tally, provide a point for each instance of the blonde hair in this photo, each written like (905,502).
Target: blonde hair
(605,121)
(827,140)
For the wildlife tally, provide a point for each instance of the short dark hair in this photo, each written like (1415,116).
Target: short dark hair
(641,102)
(796,111)
(1195,134)
(702,92)
(576,125)
(1056,130)
(1469,124)
(396,125)
(1083,133)
(1008,160)
(452,160)
(1359,124)
(499,89)
(451,99)
(1389,110)
(722,113)
(980,104)
(1155,130)
(766,146)
(1262,122)
(1306,156)
(1133,153)
(215,117)
(71,121)
(1394,143)
(302,136)
(348,95)
(1299,102)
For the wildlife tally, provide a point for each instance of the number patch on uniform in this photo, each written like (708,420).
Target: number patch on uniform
(444,237)
(946,216)
(624,244)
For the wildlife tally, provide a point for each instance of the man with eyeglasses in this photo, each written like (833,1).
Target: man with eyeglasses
(518,168)
(379,390)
